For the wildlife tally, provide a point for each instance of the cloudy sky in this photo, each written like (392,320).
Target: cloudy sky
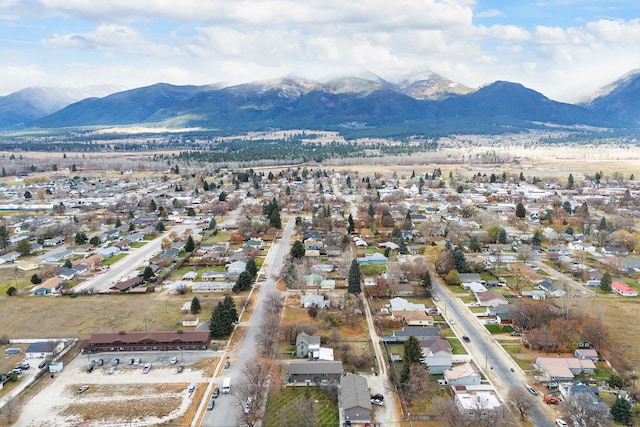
(562,48)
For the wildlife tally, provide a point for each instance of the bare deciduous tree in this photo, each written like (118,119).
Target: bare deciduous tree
(257,374)
(521,400)
(418,383)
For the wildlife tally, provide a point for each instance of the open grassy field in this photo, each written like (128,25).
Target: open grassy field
(620,315)
(68,317)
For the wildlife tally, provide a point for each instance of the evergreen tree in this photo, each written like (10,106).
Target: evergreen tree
(81,238)
(426,284)
(118,222)
(567,207)
(219,323)
(67,264)
(35,279)
(569,229)
(502,236)
(222,197)
(243,282)
(570,182)
(350,224)
(537,238)
(605,282)
(474,244)
(354,278)
(190,246)
(297,250)
(4,237)
(191,212)
(230,307)
(274,219)
(521,212)
(205,185)
(461,262)
(195,305)
(24,247)
(621,411)
(27,194)
(371,211)
(252,268)
(148,273)
(212,224)
(153,206)
(412,354)
(159,226)
(603,224)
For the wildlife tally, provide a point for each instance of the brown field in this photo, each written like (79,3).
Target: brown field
(620,315)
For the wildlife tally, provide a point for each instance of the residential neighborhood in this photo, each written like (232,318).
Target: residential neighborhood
(438,291)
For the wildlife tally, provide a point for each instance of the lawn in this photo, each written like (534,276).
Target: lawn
(499,329)
(373,269)
(284,407)
(138,244)
(467,299)
(456,346)
(112,260)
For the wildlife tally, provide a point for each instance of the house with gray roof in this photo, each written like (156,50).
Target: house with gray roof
(420,332)
(306,344)
(314,371)
(355,399)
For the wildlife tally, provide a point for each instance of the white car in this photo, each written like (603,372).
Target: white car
(247,406)
(146,368)
(561,423)
(174,360)
(452,322)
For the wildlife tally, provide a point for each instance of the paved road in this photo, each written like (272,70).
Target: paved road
(127,265)
(227,410)
(489,356)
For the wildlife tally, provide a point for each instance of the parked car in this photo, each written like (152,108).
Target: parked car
(112,370)
(531,389)
(137,361)
(561,423)
(191,388)
(466,338)
(82,389)
(43,364)
(146,368)
(377,402)
(452,322)
(115,362)
(247,406)
(227,364)
(377,396)
(130,362)
(90,368)
(211,404)
(436,298)
(23,366)
(174,360)
(180,369)
(216,392)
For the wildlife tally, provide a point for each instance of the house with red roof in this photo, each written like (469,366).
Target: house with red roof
(624,290)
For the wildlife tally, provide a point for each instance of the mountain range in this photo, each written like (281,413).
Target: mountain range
(366,104)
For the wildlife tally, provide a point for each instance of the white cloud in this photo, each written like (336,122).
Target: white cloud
(490,13)
(124,39)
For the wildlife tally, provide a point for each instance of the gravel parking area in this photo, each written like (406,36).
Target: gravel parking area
(125,397)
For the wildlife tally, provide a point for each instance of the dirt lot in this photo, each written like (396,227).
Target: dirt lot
(126,396)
